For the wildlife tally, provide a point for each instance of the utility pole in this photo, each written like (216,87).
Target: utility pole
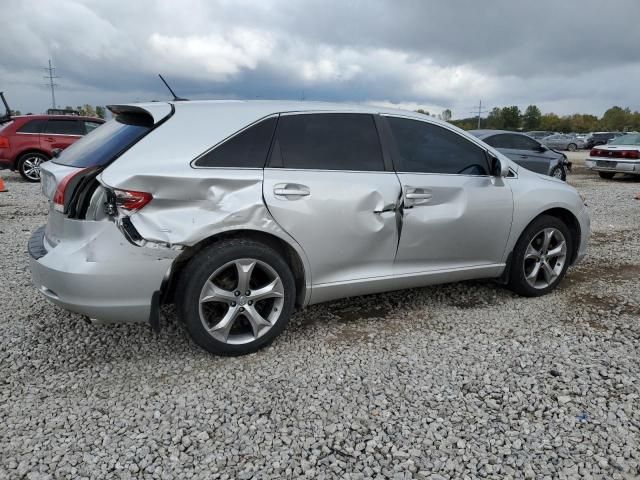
(480,111)
(50,76)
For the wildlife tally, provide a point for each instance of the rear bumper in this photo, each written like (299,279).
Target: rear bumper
(97,273)
(613,165)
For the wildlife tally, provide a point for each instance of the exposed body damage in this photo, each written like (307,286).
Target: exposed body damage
(205,203)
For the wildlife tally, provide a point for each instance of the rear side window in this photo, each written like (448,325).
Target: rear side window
(247,149)
(33,126)
(327,141)
(426,148)
(64,127)
(498,141)
(105,144)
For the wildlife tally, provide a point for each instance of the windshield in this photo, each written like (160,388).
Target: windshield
(103,144)
(629,139)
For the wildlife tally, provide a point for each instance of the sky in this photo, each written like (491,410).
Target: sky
(564,56)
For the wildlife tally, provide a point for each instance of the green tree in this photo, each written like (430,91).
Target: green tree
(424,112)
(446,115)
(495,119)
(100,111)
(531,118)
(15,113)
(511,117)
(616,118)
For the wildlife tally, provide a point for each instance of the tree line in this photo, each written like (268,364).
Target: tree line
(615,119)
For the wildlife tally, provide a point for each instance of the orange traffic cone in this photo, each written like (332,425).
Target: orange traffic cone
(3,188)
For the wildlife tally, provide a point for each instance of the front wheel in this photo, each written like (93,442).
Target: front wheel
(236,296)
(606,175)
(541,257)
(29,166)
(559,173)
(572,147)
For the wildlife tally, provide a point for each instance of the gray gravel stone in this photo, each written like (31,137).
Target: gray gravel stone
(456,381)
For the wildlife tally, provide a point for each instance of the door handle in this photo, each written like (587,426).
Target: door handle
(286,190)
(49,139)
(418,196)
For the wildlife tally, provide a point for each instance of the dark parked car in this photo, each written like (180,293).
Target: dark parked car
(527,152)
(601,138)
(27,141)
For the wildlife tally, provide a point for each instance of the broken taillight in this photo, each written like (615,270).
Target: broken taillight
(130,201)
(61,190)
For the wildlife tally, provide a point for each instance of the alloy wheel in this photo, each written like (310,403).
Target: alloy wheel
(241,301)
(544,258)
(31,167)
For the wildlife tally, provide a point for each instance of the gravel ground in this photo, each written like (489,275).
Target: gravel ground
(457,381)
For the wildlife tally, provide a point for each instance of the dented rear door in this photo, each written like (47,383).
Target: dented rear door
(326,185)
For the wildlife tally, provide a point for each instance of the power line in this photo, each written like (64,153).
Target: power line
(479,111)
(50,76)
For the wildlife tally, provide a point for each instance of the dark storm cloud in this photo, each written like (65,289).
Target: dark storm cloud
(563,56)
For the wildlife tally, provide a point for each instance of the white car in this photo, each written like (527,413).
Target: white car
(621,155)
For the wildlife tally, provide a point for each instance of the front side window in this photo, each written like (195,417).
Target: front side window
(33,126)
(426,148)
(327,141)
(247,149)
(64,127)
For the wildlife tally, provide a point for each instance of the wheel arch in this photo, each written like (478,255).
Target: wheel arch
(568,218)
(292,255)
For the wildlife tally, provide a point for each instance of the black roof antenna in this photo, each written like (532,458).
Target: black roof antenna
(175,97)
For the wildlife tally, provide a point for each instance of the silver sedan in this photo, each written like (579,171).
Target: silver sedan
(564,142)
(239,212)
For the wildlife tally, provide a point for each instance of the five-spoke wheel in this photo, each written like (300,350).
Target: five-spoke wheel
(236,296)
(29,166)
(540,257)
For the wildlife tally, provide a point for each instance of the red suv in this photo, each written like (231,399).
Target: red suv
(27,141)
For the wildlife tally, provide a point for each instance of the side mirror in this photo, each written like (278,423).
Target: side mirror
(498,167)
(56,152)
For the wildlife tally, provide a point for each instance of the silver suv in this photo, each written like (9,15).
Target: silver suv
(241,211)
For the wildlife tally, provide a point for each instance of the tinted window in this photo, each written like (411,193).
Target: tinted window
(91,126)
(428,148)
(64,127)
(34,126)
(514,142)
(328,141)
(104,144)
(247,149)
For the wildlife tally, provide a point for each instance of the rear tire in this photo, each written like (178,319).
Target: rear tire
(606,175)
(236,296)
(572,147)
(29,166)
(541,257)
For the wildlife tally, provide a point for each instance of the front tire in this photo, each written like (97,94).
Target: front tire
(29,166)
(606,175)
(559,173)
(541,257)
(236,296)
(572,147)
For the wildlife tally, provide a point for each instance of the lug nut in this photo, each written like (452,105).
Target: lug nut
(247,293)
(233,304)
(250,302)
(242,309)
(237,293)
